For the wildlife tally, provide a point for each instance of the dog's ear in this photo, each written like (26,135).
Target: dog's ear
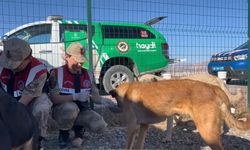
(113,93)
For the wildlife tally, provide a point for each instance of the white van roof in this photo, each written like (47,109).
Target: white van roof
(27,25)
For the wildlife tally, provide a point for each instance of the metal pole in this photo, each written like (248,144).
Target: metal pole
(89,29)
(248,69)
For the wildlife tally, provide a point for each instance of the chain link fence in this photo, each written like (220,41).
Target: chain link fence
(131,38)
(190,32)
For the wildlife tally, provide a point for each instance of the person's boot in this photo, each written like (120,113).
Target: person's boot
(63,139)
(78,140)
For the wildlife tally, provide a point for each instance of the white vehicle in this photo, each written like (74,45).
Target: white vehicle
(120,50)
(44,38)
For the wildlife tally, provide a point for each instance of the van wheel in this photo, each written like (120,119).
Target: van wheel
(115,76)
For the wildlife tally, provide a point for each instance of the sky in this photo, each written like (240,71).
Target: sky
(194,29)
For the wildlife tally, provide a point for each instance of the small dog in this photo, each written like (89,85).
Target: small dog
(151,102)
(18,127)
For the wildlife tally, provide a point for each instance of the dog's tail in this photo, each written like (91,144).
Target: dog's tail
(233,122)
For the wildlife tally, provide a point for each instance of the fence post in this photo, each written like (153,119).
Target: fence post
(248,69)
(89,29)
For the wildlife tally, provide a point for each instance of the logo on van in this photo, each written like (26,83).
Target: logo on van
(122,46)
(152,45)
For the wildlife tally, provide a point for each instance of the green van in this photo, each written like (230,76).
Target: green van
(121,51)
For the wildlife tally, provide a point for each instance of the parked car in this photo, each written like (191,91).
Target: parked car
(120,50)
(233,62)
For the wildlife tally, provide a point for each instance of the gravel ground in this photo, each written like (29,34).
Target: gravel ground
(114,138)
(185,137)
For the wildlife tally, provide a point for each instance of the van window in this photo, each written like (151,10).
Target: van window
(126,32)
(36,34)
(73,28)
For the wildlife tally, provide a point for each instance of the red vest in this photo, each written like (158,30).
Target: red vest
(65,80)
(32,71)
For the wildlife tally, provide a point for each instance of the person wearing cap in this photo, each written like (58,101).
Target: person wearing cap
(23,77)
(71,87)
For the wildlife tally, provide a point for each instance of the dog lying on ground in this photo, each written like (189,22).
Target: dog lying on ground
(151,102)
(18,128)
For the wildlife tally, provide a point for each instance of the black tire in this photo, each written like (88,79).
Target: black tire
(115,76)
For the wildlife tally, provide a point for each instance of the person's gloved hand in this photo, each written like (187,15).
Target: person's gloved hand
(82,97)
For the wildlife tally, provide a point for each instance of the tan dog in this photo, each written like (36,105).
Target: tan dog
(204,77)
(207,78)
(151,102)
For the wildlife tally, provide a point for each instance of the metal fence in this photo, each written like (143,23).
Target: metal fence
(178,37)
(192,32)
